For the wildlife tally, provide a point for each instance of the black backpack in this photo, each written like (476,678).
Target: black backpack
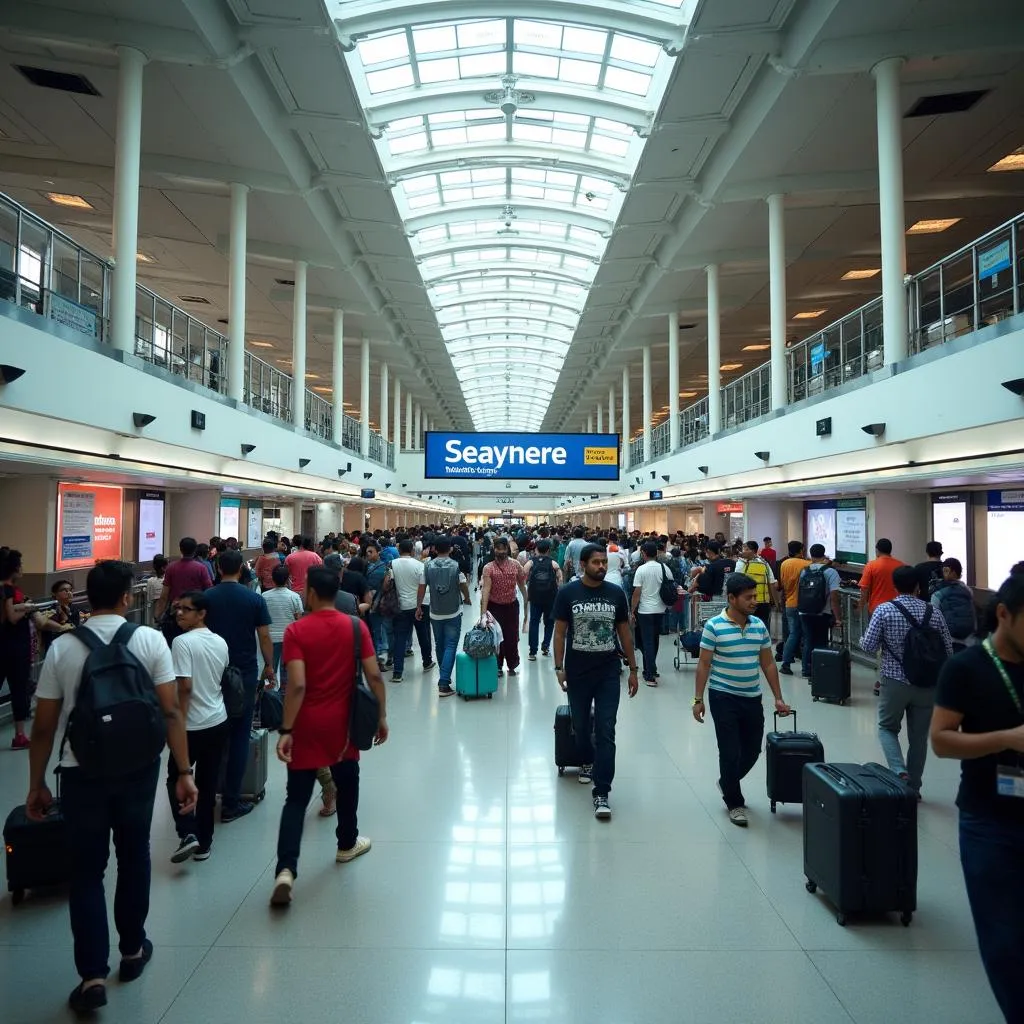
(461,557)
(924,652)
(812,592)
(957,606)
(116,726)
(542,584)
(667,589)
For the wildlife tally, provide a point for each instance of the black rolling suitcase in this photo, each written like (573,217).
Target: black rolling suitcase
(37,851)
(785,754)
(565,740)
(860,839)
(830,674)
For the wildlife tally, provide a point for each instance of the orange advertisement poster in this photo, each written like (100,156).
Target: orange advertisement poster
(89,518)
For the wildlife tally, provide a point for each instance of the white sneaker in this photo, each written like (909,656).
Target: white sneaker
(282,894)
(363,844)
(601,809)
(738,816)
(586,774)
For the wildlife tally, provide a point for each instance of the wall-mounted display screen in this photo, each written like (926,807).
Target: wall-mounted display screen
(950,527)
(821,528)
(368,492)
(89,518)
(151,525)
(254,531)
(230,511)
(852,530)
(511,456)
(1005,527)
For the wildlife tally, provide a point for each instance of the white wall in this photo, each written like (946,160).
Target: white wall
(192,514)
(29,505)
(766,519)
(903,518)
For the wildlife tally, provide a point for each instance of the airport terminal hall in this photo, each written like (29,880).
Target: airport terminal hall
(512,513)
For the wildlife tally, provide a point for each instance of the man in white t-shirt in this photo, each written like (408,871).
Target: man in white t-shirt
(200,657)
(648,608)
(285,607)
(407,576)
(94,807)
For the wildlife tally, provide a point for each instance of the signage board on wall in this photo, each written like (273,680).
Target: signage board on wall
(951,527)
(230,511)
(151,524)
(367,492)
(821,525)
(89,518)
(852,530)
(995,260)
(1005,526)
(511,456)
(254,532)
(727,508)
(656,495)
(71,314)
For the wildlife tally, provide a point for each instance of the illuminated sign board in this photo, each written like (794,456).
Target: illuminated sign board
(511,456)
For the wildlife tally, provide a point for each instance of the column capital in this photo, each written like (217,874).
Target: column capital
(888,64)
(131,53)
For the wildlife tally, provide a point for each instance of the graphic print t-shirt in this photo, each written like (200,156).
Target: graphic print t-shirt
(592,614)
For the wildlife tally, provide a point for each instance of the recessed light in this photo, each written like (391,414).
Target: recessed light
(323,390)
(262,344)
(725,367)
(64,199)
(1011,162)
(312,376)
(756,348)
(195,300)
(143,258)
(687,394)
(860,275)
(809,314)
(932,227)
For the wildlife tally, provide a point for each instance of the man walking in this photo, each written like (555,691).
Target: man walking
(96,806)
(759,569)
(184,574)
(734,647)
(817,601)
(299,563)
(449,591)
(591,625)
(407,578)
(573,549)
(914,641)
(498,596)
(789,578)
(543,578)
(876,586)
(320,651)
(240,615)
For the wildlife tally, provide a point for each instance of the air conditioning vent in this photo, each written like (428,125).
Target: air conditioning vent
(687,327)
(63,81)
(286,281)
(946,103)
(222,320)
(196,300)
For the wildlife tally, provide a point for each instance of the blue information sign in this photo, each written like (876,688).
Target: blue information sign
(511,456)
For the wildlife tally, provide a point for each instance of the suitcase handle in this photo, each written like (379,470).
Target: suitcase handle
(792,714)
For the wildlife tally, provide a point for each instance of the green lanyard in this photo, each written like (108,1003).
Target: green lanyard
(1001,669)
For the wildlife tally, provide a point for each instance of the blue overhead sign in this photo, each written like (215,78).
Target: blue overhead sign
(511,456)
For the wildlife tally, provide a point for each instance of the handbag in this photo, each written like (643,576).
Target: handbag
(365,715)
(388,604)
(233,688)
(271,710)
(667,588)
(480,641)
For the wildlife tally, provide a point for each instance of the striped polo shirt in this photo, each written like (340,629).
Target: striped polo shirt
(735,654)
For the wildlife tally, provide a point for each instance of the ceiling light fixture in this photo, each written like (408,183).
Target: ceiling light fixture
(932,227)
(65,199)
(726,367)
(143,258)
(809,314)
(756,348)
(860,275)
(1011,162)
(261,344)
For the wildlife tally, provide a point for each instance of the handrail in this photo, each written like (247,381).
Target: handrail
(964,249)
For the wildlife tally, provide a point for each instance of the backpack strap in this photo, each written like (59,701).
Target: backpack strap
(89,638)
(910,618)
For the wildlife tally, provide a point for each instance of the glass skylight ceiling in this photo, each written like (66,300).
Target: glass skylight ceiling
(511,143)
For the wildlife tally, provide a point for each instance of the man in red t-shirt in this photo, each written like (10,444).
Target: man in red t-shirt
(319,651)
(769,554)
(300,562)
(183,576)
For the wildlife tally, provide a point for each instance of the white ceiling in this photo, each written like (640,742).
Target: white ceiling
(767,96)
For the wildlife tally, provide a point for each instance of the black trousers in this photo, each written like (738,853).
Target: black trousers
(205,754)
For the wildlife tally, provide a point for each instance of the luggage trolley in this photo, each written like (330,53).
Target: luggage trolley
(695,612)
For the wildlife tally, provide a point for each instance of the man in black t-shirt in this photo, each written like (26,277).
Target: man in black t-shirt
(589,615)
(979,719)
(929,574)
(711,581)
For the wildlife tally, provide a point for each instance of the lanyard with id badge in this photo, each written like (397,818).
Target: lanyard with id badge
(1009,778)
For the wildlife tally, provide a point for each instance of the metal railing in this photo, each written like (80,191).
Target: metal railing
(390,454)
(266,388)
(376,452)
(319,416)
(636,451)
(661,440)
(693,423)
(350,433)
(747,397)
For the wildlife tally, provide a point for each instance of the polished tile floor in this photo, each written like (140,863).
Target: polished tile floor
(491,894)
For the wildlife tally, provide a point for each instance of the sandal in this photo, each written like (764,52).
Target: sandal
(329,795)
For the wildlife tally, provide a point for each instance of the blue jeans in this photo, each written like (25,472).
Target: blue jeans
(403,624)
(382,631)
(792,648)
(446,640)
(93,810)
(600,688)
(238,747)
(279,666)
(541,610)
(991,853)
(739,729)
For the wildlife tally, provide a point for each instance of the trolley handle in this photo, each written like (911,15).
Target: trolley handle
(792,714)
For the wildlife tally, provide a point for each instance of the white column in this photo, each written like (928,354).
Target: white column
(590,423)
(673,379)
(611,409)
(600,419)
(236,291)
(417,428)
(396,434)
(625,417)
(297,516)
(338,372)
(364,399)
(127,150)
(890,208)
(385,395)
(714,351)
(648,403)
(299,347)
(408,421)
(777,295)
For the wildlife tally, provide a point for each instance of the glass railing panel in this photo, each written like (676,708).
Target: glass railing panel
(693,423)
(995,286)
(319,416)
(64,275)
(93,284)
(376,453)
(32,257)
(350,434)
(636,451)
(390,455)
(267,389)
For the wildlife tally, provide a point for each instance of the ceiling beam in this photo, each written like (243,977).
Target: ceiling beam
(464,214)
(541,243)
(502,295)
(530,271)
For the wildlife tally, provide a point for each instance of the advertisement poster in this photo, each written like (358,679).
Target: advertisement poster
(511,456)
(852,530)
(230,509)
(89,518)
(151,525)
(949,527)
(254,534)
(821,529)
(1005,526)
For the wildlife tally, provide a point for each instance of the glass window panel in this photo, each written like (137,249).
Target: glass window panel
(530,133)
(602,124)
(485,132)
(528,174)
(482,174)
(488,114)
(522,191)
(636,51)
(573,140)
(407,143)
(446,117)
(610,147)
(458,195)
(392,78)
(403,123)
(584,40)
(601,185)
(627,81)
(480,33)
(388,47)
(580,72)
(455,178)
(535,64)
(538,33)
(535,115)
(434,40)
(489,191)
(420,202)
(428,235)
(432,71)
(476,65)
(449,136)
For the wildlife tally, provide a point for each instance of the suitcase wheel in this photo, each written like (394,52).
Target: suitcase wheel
(810,886)
(489,696)
(815,699)
(905,918)
(773,807)
(561,770)
(259,796)
(17,896)
(841,920)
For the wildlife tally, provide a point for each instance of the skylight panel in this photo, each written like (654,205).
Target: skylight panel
(389,79)
(580,72)
(537,33)
(480,33)
(433,71)
(627,81)
(428,235)
(570,139)
(607,146)
(535,64)
(392,46)
(434,40)
(449,136)
(485,132)
(584,40)
(476,65)
(399,145)
(636,51)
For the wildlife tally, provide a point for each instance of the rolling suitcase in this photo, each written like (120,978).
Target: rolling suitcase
(860,839)
(37,851)
(475,677)
(830,674)
(785,754)
(254,781)
(565,740)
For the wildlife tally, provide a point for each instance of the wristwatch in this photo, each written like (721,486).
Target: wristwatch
(282,731)
(186,771)
(559,668)
(698,700)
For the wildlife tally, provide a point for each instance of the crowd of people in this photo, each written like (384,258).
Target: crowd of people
(309,619)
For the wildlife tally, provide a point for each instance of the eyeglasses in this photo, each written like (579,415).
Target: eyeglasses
(185,608)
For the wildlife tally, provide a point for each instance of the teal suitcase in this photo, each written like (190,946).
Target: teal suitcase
(475,677)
